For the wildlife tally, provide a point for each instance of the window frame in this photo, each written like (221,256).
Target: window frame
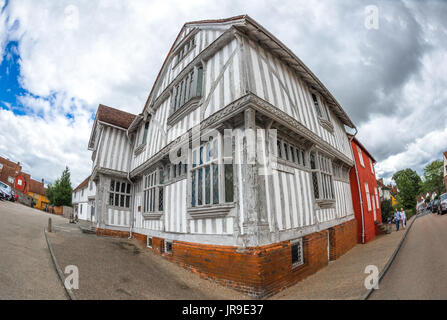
(127,194)
(297,157)
(153,184)
(360,153)
(301,260)
(322,170)
(187,89)
(368,196)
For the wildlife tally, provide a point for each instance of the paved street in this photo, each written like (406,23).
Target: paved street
(26,268)
(420,268)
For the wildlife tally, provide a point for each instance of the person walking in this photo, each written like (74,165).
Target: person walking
(397,219)
(403,217)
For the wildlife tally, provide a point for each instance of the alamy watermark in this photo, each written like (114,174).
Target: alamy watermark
(371,17)
(72,278)
(372,280)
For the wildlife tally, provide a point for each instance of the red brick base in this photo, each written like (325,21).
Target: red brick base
(257,271)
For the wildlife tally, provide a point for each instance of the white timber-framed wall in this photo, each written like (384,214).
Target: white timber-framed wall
(249,80)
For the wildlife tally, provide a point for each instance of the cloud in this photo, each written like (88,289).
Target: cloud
(75,55)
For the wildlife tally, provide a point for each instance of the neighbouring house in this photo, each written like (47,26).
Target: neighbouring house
(445,169)
(238,165)
(365,192)
(84,200)
(387,192)
(9,171)
(36,190)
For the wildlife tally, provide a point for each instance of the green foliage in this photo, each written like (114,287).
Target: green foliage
(387,209)
(409,183)
(61,193)
(433,177)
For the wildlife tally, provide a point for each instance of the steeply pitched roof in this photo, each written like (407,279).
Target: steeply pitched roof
(36,187)
(253,29)
(114,116)
(82,185)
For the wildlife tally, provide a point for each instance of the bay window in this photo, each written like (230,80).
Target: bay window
(211,181)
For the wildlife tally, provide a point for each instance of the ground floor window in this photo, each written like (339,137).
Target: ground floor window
(297,252)
(322,181)
(153,191)
(211,179)
(119,194)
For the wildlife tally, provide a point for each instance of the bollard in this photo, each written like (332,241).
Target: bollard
(49,224)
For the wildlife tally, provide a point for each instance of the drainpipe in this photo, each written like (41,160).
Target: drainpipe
(358,185)
(129,161)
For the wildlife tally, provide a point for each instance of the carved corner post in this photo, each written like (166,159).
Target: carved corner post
(256,228)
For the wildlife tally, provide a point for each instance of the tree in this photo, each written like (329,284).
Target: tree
(61,193)
(408,183)
(433,177)
(386,208)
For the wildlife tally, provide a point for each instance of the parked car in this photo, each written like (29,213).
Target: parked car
(429,205)
(434,206)
(8,194)
(442,208)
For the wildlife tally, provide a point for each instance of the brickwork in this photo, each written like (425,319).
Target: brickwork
(257,271)
(342,237)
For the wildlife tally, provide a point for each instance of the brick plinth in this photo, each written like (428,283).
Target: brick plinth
(257,271)
(343,238)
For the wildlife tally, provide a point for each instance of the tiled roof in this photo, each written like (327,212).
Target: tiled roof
(82,185)
(357,142)
(36,187)
(114,116)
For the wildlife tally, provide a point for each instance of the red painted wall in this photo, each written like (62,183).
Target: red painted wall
(364,175)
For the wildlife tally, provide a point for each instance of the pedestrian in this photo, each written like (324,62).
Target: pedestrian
(397,219)
(403,217)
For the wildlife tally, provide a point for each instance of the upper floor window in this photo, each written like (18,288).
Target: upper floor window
(317,105)
(153,191)
(360,156)
(188,88)
(119,194)
(211,182)
(372,166)
(290,153)
(185,49)
(368,199)
(146,129)
(322,181)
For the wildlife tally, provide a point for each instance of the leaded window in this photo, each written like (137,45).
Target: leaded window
(189,87)
(119,194)
(153,200)
(290,153)
(211,182)
(297,252)
(322,182)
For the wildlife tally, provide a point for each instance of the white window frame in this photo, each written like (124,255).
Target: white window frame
(300,261)
(165,247)
(322,177)
(113,193)
(368,199)
(11,179)
(153,187)
(377,197)
(147,242)
(371,163)
(359,150)
(294,154)
(215,162)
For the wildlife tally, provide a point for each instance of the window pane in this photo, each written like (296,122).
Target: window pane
(199,188)
(122,200)
(215,150)
(117,200)
(215,184)
(127,201)
(208,151)
(123,188)
(128,188)
(112,185)
(201,155)
(229,188)
(312,161)
(292,154)
(111,199)
(194,159)
(286,151)
(180,166)
(315,184)
(278,145)
(160,199)
(193,189)
(162,178)
(303,157)
(199,81)
(117,186)
(207,185)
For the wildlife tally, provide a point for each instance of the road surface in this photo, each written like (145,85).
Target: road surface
(420,268)
(26,268)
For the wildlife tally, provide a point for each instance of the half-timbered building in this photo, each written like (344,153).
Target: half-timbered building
(238,165)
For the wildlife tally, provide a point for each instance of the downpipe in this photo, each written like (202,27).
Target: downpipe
(358,185)
(129,162)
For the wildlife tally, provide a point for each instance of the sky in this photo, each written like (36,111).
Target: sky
(60,59)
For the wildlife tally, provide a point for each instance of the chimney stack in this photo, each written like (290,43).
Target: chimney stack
(43,182)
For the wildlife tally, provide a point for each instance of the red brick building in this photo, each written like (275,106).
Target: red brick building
(365,193)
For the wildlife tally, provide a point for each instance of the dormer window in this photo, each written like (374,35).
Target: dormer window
(322,113)
(189,87)
(317,105)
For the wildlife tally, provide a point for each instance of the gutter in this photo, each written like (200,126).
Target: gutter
(358,185)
